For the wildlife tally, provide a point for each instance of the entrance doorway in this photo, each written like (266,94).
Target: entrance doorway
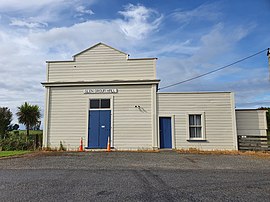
(165,131)
(99,125)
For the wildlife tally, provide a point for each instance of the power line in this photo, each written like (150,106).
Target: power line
(215,70)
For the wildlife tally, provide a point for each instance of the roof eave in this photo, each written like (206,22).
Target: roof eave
(100,83)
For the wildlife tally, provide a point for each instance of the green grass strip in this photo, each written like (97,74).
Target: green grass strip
(12,153)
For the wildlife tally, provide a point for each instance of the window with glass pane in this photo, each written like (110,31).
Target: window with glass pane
(195,127)
(99,103)
(94,104)
(105,103)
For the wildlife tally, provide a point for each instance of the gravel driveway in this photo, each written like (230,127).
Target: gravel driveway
(134,176)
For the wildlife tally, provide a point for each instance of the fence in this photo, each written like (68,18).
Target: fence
(253,143)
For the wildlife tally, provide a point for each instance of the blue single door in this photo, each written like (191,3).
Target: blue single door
(165,131)
(99,128)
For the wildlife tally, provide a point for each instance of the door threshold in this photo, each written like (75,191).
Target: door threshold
(166,149)
(95,150)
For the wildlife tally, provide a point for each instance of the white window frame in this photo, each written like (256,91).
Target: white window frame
(87,104)
(202,125)
(93,109)
(172,129)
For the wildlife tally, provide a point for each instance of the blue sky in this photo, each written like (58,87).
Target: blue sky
(188,37)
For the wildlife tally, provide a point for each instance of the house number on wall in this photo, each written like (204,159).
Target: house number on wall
(100,91)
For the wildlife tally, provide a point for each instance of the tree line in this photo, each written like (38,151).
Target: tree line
(28,115)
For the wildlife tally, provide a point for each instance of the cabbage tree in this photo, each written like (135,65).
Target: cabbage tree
(28,115)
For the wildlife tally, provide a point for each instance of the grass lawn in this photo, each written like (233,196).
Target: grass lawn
(12,153)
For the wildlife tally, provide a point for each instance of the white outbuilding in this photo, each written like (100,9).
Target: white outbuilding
(103,94)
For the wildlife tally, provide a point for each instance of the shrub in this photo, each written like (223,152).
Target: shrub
(14,141)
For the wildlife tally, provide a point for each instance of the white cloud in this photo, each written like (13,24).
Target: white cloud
(251,87)
(139,21)
(69,40)
(83,10)
(27,23)
(31,7)
(29,4)
(202,12)
(218,43)
(44,13)
(181,49)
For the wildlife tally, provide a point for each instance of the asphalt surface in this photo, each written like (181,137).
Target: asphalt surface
(131,176)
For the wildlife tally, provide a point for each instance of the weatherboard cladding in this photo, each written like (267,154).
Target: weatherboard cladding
(98,44)
(103,67)
(101,63)
(251,122)
(218,113)
(132,128)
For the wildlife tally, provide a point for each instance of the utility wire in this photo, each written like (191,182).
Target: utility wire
(215,70)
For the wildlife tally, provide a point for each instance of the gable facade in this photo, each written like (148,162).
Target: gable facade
(71,85)
(101,63)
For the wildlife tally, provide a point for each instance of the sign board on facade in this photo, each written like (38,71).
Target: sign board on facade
(100,91)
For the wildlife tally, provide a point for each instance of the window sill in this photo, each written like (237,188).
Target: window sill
(195,140)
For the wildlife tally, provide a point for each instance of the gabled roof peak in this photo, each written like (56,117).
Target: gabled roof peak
(98,44)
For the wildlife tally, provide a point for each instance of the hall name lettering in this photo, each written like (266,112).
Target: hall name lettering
(100,91)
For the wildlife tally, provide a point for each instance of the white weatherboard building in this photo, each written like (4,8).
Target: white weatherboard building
(103,93)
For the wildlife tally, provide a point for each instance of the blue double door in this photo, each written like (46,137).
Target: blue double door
(99,128)
(165,131)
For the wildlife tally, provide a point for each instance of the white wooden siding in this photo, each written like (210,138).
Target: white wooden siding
(101,63)
(218,109)
(68,112)
(251,122)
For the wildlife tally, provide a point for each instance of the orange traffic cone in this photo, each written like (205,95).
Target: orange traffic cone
(108,145)
(81,145)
